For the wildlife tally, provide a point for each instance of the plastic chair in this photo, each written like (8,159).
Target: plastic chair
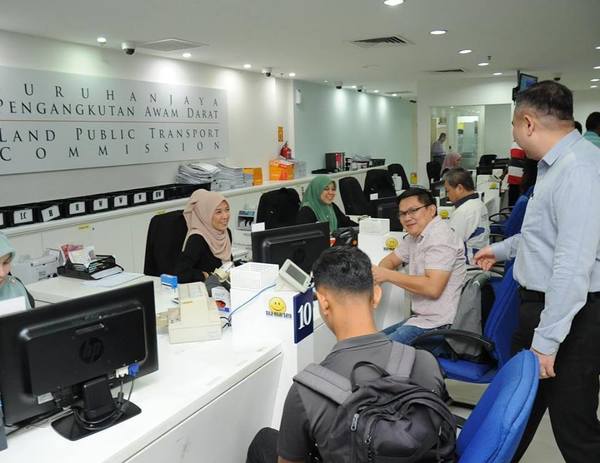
(352,196)
(278,208)
(166,233)
(494,429)
(397,169)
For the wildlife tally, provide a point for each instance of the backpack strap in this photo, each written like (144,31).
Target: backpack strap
(325,382)
(402,359)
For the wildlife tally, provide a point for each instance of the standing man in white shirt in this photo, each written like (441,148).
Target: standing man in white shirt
(437,149)
(558,267)
(469,220)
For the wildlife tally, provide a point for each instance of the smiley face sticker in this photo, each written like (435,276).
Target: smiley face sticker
(277,305)
(391,243)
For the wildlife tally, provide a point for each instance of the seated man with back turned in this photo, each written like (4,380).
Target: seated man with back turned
(436,267)
(469,219)
(347,298)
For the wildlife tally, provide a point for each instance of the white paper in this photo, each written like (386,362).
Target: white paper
(258,226)
(113,280)
(14,305)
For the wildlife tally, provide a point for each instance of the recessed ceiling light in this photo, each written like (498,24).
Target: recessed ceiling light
(593,86)
(187,54)
(497,74)
(247,66)
(354,86)
(485,63)
(466,51)
(394,94)
(101,40)
(326,81)
(595,80)
(375,91)
(596,67)
(292,74)
(393,2)
(598,47)
(438,32)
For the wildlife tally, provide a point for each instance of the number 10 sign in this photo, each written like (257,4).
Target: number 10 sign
(303,315)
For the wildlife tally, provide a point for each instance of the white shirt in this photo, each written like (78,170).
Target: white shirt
(471,225)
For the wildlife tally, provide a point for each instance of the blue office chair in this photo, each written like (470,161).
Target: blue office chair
(492,432)
(499,326)
(506,224)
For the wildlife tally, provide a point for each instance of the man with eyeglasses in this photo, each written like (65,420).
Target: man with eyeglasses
(436,267)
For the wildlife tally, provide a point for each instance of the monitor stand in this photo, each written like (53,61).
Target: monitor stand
(98,406)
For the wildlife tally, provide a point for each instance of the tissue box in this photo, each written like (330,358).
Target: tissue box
(253,276)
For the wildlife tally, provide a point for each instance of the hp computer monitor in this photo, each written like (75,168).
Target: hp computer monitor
(67,355)
(387,208)
(302,244)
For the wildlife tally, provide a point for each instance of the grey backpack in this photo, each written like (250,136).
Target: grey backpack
(388,419)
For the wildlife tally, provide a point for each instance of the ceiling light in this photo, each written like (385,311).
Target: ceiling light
(247,66)
(598,47)
(593,86)
(595,80)
(394,94)
(292,74)
(375,91)
(326,81)
(485,63)
(438,32)
(497,74)
(393,2)
(596,67)
(101,40)
(187,54)
(354,86)
(466,51)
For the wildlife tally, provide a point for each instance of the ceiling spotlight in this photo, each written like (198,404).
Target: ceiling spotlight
(326,81)
(394,94)
(484,63)
(595,80)
(393,2)
(466,51)
(353,86)
(497,74)
(247,66)
(438,32)
(593,86)
(596,67)
(292,74)
(187,54)
(598,47)
(338,84)
(375,91)
(101,40)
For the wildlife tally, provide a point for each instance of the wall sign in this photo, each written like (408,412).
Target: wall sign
(57,121)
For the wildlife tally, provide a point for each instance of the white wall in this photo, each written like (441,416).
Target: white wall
(458,93)
(256,106)
(584,103)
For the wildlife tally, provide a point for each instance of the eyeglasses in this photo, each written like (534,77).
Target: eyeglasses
(411,212)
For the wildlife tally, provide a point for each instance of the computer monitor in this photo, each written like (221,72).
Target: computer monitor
(525,81)
(66,355)
(387,208)
(302,244)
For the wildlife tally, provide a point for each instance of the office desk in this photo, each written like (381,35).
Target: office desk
(195,408)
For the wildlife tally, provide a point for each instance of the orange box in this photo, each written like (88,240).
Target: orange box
(281,170)
(256,172)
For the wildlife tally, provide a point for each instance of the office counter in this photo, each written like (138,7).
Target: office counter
(195,408)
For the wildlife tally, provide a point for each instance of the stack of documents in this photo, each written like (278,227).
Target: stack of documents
(230,177)
(197,172)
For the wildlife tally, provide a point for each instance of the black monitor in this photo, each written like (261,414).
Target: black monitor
(526,81)
(66,355)
(302,244)
(387,208)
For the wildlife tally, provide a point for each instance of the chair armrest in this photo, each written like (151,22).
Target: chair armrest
(492,218)
(485,343)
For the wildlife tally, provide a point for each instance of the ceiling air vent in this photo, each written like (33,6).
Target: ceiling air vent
(171,45)
(446,71)
(391,41)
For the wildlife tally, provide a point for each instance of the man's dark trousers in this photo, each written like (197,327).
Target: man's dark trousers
(572,396)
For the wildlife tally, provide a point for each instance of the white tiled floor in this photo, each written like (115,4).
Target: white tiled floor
(543,448)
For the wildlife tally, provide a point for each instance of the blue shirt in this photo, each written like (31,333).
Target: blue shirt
(592,136)
(558,249)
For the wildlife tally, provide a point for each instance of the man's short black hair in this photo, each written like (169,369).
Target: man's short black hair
(459,176)
(592,123)
(424,196)
(344,268)
(548,98)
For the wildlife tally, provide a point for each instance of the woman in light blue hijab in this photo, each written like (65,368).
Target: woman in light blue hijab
(10,287)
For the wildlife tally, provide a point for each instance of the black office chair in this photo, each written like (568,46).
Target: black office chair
(434,170)
(166,233)
(352,196)
(278,208)
(379,181)
(486,164)
(397,169)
